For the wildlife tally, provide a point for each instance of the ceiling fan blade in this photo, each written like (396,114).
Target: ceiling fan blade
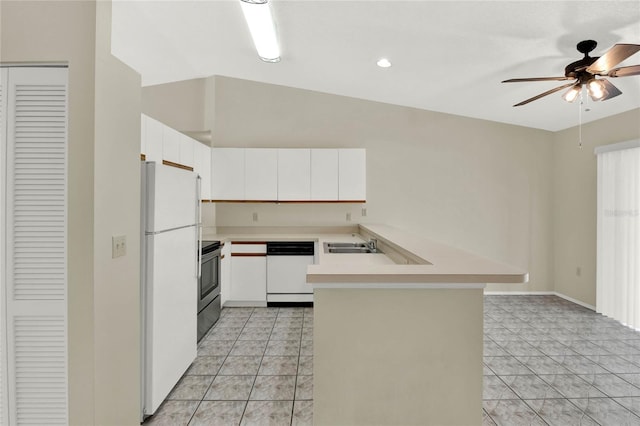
(548,92)
(611,90)
(519,80)
(624,71)
(612,57)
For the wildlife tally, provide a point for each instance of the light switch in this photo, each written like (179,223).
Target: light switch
(118,246)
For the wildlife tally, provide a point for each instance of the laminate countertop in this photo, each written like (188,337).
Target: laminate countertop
(405,259)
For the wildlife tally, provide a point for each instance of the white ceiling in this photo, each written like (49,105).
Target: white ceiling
(448,56)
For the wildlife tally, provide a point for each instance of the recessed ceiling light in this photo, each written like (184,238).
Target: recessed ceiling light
(383,63)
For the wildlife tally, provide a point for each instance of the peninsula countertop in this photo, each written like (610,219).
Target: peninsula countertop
(440,264)
(405,259)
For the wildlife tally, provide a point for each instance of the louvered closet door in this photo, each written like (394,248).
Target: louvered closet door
(36,258)
(3,155)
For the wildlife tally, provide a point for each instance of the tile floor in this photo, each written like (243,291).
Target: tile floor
(547,361)
(254,367)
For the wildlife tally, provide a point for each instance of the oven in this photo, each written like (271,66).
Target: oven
(208,286)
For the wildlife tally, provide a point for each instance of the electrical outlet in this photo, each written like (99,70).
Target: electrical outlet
(364,211)
(255,217)
(348,217)
(118,246)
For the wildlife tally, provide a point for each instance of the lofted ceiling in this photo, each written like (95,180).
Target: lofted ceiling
(447,56)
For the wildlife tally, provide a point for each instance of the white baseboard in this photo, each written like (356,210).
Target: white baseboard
(244,304)
(539,293)
(576,301)
(520,293)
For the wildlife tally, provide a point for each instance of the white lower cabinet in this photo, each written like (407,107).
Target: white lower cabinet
(248,286)
(250,278)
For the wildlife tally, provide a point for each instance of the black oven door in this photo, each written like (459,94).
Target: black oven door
(209,285)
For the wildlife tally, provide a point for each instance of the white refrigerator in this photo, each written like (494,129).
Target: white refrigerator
(171,227)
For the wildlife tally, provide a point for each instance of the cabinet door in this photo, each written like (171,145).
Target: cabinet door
(202,166)
(261,174)
(294,174)
(352,175)
(249,273)
(143,134)
(154,140)
(324,174)
(227,170)
(170,144)
(187,148)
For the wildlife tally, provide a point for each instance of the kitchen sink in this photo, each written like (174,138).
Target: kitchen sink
(346,245)
(346,248)
(351,250)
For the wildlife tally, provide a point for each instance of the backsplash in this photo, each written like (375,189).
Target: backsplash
(288,214)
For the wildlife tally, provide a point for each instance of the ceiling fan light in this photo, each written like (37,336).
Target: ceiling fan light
(596,89)
(572,94)
(262,27)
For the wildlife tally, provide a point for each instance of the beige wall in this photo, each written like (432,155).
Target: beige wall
(117,212)
(478,185)
(180,105)
(397,357)
(103,328)
(64,31)
(574,179)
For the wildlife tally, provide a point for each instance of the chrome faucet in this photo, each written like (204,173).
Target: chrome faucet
(373,244)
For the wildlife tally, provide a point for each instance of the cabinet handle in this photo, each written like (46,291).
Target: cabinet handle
(222,257)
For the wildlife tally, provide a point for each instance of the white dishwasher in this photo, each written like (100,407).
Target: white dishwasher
(287,263)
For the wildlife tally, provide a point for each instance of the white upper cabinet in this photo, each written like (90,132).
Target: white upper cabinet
(153,136)
(202,166)
(324,174)
(143,134)
(261,174)
(352,175)
(171,139)
(271,174)
(187,150)
(294,174)
(160,142)
(227,171)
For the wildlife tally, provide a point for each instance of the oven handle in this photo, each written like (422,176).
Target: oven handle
(198,228)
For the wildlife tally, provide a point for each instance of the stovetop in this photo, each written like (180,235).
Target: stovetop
(209,245)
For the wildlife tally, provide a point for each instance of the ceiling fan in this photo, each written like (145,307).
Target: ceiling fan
(584,73)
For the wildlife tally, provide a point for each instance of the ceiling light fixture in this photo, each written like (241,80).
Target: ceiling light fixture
(596,89)
(262,27)
(572,94)
(383,63)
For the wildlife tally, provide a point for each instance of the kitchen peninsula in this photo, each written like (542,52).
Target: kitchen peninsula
(401,343)
(398,333)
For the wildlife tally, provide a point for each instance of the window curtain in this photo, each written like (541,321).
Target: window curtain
(618,233)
